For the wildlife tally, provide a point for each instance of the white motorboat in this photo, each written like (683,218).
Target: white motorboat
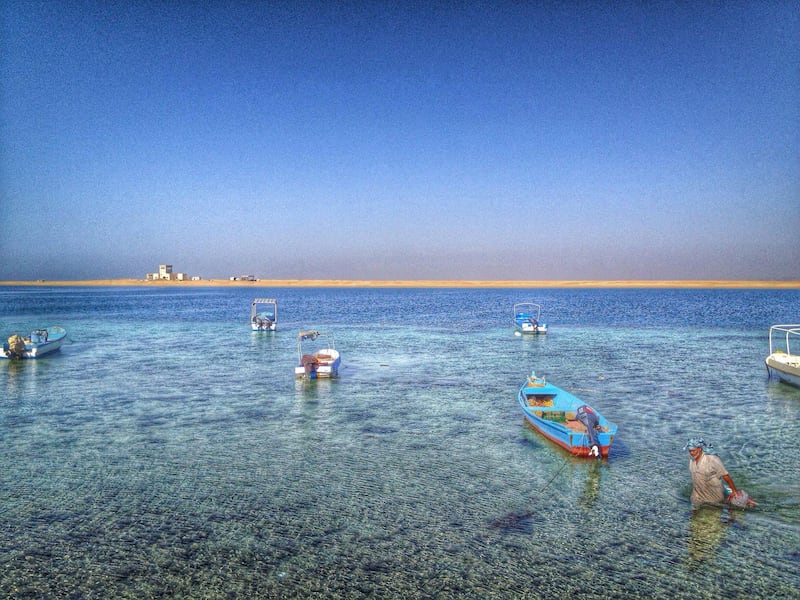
(320,362)
(264,314)
(39,343)
(527,318)
(780,361)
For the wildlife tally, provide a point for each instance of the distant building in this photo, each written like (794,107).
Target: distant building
(165,274)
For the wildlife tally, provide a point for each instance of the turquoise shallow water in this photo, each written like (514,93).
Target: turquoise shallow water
(167,450)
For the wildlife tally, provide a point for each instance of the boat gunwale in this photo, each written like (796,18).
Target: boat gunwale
(609,428)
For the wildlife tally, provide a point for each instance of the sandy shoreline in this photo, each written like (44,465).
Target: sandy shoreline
(422,283)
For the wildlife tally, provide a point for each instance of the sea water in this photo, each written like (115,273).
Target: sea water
(168,451)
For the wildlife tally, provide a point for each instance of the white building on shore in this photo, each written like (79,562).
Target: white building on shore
(165,274)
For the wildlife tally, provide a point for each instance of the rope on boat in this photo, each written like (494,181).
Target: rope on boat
(564,464)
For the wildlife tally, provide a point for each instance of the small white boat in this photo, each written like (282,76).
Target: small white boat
(264,314)
(781,362)
(321,362)
(39,343)
(527,318)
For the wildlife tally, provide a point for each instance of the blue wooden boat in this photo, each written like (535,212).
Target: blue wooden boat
(527,318)
(39,343)
(565,419)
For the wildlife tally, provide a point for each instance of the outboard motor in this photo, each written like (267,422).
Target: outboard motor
(589,419)
(15,348)
(310,364)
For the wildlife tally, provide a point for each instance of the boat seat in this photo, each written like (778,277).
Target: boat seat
(575,425)
(538,405)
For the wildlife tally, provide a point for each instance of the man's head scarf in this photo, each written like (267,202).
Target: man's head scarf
(699,443)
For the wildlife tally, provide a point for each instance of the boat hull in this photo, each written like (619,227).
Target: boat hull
(261,327)
(577,445)
(530,329)
(785,367)
(37,349)
(551,412)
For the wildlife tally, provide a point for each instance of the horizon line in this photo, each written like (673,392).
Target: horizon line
(422,283)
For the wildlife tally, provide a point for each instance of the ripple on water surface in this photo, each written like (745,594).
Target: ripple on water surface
(179,456)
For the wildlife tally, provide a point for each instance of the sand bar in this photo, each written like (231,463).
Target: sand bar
(422,283)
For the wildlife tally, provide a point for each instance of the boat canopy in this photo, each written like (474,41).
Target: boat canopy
(789,330)
(526,309)
(258,302)
(264,313)
(265,301)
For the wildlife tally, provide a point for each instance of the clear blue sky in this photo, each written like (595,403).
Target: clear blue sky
(381,140)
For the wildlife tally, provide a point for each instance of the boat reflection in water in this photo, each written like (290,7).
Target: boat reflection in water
(591,489)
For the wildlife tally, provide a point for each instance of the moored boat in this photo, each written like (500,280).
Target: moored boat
(565,419)
(527,318)
(264,314)
(780,361)
(39,343)
(322,362)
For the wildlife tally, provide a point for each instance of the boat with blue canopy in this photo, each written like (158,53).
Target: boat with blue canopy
(264,314)
(527,318)
(565,419)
